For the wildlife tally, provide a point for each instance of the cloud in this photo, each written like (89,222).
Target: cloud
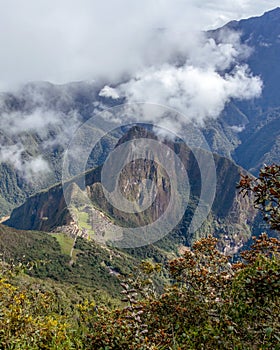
(30,168)
(32,130)
(200,88)
(71,41)
(237,128)
(37,121)
(51,126)
(109,92)
(42,109)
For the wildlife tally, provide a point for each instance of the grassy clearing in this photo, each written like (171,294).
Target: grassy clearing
(65,242)
(83,220)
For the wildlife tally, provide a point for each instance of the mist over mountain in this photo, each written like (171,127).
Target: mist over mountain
(227,83)
(250,130)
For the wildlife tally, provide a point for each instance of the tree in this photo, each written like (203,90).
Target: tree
(266,189)
(210,303)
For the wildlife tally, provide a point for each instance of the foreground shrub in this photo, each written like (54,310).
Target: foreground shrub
(210,304)
(26,320)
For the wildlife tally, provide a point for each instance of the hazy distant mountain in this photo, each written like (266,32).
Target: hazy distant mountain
(36,124)
(255,139)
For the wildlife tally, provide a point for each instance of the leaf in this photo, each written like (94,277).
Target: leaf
(268,331)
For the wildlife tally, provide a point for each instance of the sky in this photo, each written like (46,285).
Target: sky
(65,40)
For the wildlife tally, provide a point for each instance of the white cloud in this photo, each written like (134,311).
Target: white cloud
(72,41)
(109,92)
(30,168)
(20,130)
(36,121)
(237,128)
(199,88)
(41,121)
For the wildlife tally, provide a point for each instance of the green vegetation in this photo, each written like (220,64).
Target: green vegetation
(209,304)
(83,219)
(266,189)
(208,301)
(66,243)
(91,266)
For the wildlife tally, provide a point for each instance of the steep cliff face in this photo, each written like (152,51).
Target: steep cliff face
(43,211)
(89,213)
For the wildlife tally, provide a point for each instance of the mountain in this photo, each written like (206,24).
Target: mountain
(246,132)
(48,210)
(49,115)
(249,131)
(262,34)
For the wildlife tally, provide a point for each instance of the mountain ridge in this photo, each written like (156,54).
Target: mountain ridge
(48,210)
